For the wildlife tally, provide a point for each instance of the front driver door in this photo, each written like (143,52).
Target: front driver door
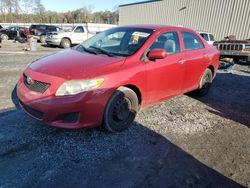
(165,76)
(79,35)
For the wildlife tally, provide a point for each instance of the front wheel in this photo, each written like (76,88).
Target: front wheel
(120,110)
(205,84)
(65,43)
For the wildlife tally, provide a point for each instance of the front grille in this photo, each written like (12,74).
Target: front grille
(36,86)
(231,47)
(37,114)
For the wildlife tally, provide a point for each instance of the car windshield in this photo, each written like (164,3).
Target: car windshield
(116,42)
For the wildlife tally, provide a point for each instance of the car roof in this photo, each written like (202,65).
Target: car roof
(43,25)
(157,27)
(205,32)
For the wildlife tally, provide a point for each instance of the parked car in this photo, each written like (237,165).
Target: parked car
(110,77)
(1,27)
(12,32)
(66,39)
(39,32)
(238,50)
(209,37)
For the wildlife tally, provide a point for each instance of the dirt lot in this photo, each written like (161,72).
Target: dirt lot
(183,142)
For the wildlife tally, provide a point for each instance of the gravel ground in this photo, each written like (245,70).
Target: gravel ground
(183,142)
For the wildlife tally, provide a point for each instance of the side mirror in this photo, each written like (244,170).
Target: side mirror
(157,54)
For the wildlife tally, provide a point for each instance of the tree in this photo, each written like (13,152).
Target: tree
(33,11)
(39,9)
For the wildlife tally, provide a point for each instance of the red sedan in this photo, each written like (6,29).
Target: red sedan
(110,77)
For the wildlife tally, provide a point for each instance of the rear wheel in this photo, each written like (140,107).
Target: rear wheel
(4,37)
(205,84)
(121,110)
(65,43)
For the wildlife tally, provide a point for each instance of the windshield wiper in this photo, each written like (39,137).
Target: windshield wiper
(87,50)
(102,51)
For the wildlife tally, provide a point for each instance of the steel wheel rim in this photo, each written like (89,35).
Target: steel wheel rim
(122,110)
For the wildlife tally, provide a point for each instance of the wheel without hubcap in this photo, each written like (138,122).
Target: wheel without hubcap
(206,83)
(121,110)
(65,43)
(4,37)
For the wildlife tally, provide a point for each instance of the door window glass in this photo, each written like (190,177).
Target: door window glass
(79,29)
(167,41)
(191,41)
(211,37)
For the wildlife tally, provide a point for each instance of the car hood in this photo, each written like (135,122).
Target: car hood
(71,64)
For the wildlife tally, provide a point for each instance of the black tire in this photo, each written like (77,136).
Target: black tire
(205,83)
(120,110)
(42,39)
(65,43)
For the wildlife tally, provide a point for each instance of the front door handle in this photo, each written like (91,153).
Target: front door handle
(182,61)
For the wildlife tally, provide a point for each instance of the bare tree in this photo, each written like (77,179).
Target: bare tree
(39,9)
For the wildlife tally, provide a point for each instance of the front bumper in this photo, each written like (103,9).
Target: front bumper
(78,111)
(235,53)
(53,41)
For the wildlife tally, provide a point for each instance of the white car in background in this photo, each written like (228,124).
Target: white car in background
(209,37)
(65,39)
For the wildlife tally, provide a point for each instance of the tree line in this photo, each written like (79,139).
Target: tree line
(33,11)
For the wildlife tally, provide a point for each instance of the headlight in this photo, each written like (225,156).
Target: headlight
(73,87)
(247,47)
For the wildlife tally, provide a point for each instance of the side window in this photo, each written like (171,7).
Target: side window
(79,29)
(42,27)
(167,41)
(12,29)
(205,36)
(211,37)
(191,41)
(51,28)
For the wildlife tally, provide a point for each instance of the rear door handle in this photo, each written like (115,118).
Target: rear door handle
(182,61)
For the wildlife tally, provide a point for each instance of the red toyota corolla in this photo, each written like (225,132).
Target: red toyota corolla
(110,77)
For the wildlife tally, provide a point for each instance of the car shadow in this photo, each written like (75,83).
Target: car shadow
(53,46)
(229,97)
(48,46)
(35,155)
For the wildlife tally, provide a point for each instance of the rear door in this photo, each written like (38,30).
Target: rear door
(196,59)
(165,76)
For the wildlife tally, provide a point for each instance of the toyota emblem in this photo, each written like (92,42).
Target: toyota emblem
(29,80)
